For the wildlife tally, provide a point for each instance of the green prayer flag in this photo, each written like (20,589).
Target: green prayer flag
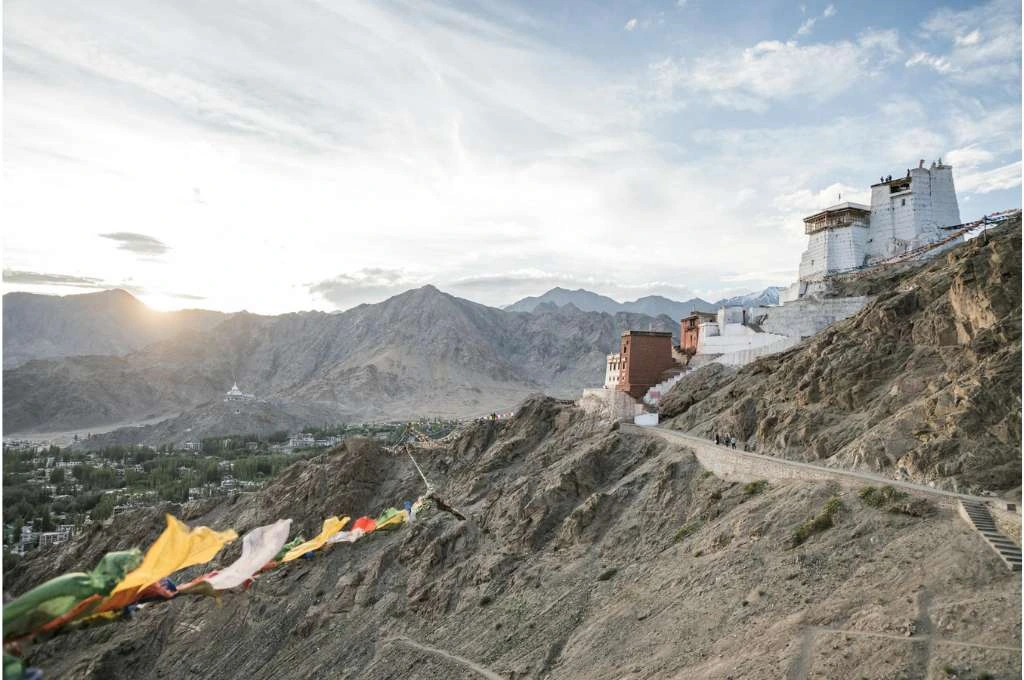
(57,596)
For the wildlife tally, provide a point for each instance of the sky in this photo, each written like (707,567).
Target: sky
(281,155)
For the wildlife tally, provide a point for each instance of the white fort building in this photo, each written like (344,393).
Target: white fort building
(905,214)
(914,216)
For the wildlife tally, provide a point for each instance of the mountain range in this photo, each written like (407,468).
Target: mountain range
(110,322)
(652,305)
(423,352)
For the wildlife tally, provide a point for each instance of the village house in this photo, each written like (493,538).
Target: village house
(611,372)
(302,440)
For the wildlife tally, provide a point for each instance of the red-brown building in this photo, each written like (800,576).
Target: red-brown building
(644,356)
(689,330)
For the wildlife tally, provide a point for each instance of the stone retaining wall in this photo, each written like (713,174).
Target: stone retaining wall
(805,317)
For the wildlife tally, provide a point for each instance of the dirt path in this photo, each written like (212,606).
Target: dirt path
(798,671)
(838,474)
(462,661)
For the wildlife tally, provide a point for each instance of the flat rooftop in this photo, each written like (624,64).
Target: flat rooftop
(840,207)
(656,334)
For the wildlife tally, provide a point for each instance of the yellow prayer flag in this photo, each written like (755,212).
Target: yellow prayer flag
(332,525)
(176,548)
(399,517)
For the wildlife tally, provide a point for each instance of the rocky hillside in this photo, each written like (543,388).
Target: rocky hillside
(588,553)
(419,353)
(110,323)
(925,381)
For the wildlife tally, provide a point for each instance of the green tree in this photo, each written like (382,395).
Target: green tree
(104,509)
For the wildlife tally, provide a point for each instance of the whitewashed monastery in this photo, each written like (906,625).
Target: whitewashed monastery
(910,216)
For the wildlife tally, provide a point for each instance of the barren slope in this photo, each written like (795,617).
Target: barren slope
(573,564)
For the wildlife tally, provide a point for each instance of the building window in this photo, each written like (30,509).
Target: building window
(903,201)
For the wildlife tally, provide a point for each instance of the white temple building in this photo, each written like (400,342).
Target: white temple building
(905,214)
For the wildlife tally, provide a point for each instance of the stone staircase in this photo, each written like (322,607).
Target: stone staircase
(978,516)
(655,393)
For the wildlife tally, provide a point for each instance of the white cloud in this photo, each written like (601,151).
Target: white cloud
(976,45)
(774,70)
(972,122)
(426,141)
(982,182)
(969,157)
(885,43)
(390,147)
(939,64)
(806,202)
(370,284)
(631,24)
(972,38)
(808,25)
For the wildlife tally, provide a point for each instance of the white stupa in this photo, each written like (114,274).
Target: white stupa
(235,394)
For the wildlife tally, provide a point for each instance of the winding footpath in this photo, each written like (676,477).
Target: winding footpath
(744,466)
(768,462)
(445,654)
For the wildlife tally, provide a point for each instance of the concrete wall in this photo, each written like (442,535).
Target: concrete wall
(744,357)
(807,316)
(847,247)
(737,342)
(611,405)
(730,315)
(792,292)
(832,250)
(646,419)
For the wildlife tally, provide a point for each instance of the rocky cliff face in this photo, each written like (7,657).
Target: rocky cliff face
(925,381)
(419,353)
(588,553)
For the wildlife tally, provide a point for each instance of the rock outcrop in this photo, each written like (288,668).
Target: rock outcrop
(924,382)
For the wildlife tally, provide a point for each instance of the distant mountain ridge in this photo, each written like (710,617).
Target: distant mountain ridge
(109,323)
(652,305)
(422,352)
